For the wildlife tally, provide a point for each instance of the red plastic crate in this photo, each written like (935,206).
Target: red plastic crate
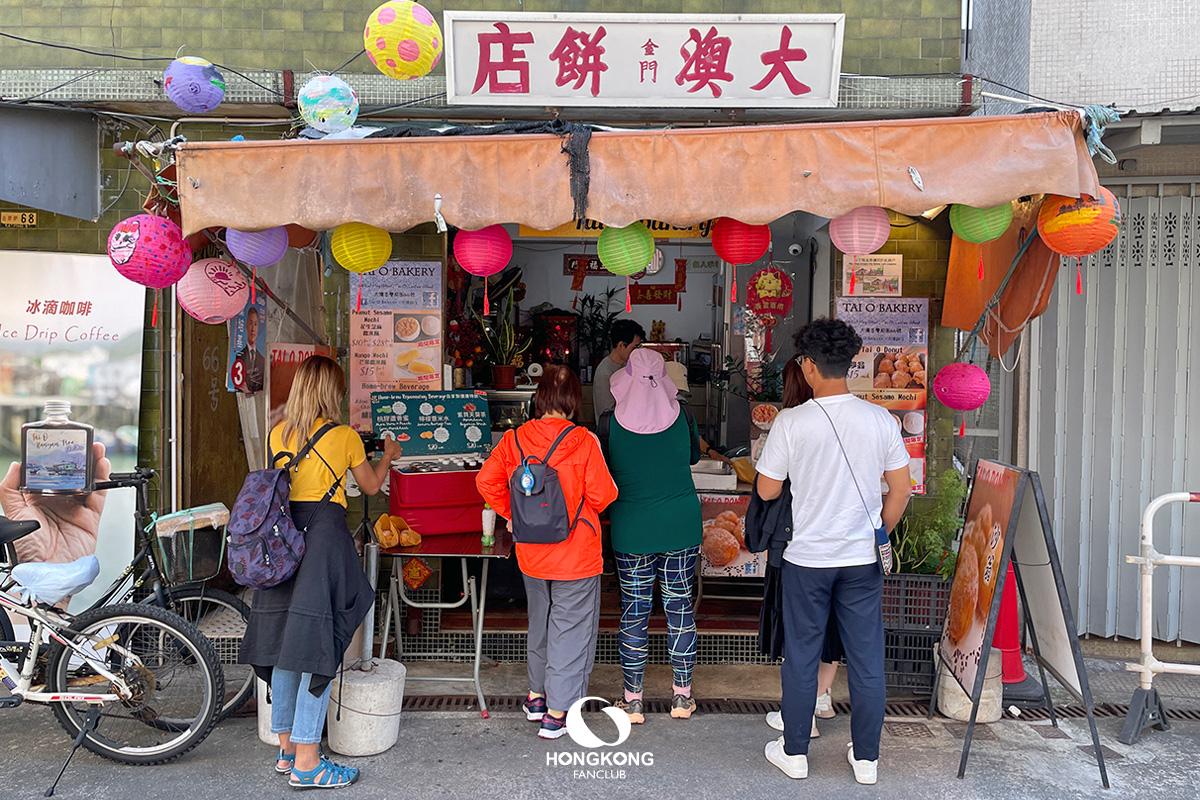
(433,503)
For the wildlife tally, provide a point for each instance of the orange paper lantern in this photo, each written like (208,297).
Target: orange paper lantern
(1079,226)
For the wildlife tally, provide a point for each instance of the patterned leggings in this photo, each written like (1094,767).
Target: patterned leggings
(676,571)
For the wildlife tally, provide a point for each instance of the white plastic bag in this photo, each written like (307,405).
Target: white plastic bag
(53,583)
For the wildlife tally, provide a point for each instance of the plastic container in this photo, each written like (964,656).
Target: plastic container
(56,453)
(488,526)
(433,503)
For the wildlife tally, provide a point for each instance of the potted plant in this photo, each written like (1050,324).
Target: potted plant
(596,317)
(924,540)
(760,383)
(503,342)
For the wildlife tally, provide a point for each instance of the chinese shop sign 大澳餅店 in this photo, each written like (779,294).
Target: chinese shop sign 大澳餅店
(722,60)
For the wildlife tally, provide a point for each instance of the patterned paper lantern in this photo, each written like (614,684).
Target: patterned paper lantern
(327,103)
(193,84)
(739,243)
(978,225)
(258,248)
(149,250)
(860,232)
(1079,226)
(483,252)
(360,247)
(403,40)
(962,387)
(213,290)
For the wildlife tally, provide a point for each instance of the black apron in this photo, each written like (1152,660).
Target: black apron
(306,623)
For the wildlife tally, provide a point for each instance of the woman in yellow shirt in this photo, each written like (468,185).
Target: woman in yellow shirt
(299,629)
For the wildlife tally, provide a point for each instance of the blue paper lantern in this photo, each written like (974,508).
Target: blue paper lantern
(193,84)
(328,104)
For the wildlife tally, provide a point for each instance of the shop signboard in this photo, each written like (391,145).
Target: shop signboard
(875,275)
(657,60)
(431,423)
(71,329)
(723,550)
(283,360)
(395,333)
(590,229)
(891,370)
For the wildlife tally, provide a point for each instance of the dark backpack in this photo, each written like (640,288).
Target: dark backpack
(605,422)
(264,546)
(539,507)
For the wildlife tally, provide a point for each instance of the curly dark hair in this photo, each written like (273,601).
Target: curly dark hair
(830,343)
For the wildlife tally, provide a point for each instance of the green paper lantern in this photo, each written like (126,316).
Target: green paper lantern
(980,225)
(624,251)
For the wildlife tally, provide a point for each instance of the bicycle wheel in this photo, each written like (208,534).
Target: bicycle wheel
(171,668)
(222,618)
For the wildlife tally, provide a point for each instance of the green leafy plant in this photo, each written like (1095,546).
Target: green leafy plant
(761,383)
(501,339)
(596,317)
(924,540)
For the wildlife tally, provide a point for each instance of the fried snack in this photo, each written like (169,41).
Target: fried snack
(918,376)
(887,365)
(719,546)
(989,570)
(729,516)
(407,328)
(980,530)
(405,536)
(882,381)
(900,379)
(385,533)
(964,594)
(764,415)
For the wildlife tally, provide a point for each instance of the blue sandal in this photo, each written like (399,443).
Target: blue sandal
(284,757)
(333,776)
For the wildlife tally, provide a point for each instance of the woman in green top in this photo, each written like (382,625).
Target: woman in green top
(656,526)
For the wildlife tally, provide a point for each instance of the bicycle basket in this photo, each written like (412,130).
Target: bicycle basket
(190,544)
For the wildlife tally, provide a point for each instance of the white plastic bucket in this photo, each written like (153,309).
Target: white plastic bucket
(264,715)
(369,705)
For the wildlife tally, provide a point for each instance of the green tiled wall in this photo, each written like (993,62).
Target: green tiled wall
(882,36)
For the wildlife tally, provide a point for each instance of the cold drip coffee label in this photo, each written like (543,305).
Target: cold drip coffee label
(56,460)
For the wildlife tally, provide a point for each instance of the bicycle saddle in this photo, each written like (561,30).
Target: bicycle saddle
(13,529)
(52,583)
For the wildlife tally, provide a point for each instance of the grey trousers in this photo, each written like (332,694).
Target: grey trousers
(564,618)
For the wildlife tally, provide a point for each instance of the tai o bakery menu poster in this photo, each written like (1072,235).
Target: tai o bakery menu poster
(396,334)
(892,369)
(426,423)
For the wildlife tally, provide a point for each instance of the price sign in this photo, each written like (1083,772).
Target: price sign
(433,422)
(18,219)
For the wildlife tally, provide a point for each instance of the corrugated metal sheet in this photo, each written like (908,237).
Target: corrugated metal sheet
(1115,422)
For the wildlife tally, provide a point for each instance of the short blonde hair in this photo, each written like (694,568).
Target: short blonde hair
(317,392)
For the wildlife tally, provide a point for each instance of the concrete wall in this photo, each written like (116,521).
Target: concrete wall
(997,47)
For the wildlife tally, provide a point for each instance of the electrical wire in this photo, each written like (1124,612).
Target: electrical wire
(117,199)
(348,61)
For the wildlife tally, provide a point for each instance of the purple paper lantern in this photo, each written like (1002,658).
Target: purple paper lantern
(213,290)
(963,387)
(258,248)
(193,84)
(149,250)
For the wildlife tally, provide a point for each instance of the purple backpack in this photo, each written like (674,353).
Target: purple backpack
(264,546)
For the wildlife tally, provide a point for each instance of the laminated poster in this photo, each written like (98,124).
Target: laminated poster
(247,344)
(891,370)
(723,550)
(396,337)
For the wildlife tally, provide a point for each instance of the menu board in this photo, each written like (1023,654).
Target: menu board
(429,423)
(891,370)
(395,332)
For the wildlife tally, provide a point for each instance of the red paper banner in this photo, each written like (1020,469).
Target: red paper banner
(652,294)
(770,295)
(680,275)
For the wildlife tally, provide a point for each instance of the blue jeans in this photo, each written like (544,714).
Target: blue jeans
(294,709)
(676,573)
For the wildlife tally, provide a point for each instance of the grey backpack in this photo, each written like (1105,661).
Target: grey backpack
(539,507)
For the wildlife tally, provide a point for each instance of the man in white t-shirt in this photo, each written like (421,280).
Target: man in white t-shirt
(834,448)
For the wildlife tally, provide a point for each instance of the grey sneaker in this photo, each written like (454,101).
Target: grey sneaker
(633,708)
(682,707)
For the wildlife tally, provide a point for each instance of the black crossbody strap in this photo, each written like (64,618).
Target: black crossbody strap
(309,447)
(870,519)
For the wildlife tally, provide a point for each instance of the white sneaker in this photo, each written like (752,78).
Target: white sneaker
(775,720)
(825,706)
(792,766)
(865,772)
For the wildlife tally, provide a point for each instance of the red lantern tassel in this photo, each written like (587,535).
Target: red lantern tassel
(358,302)
(962,429)
(628,297)
(1078,278)
(733,287)
(679,297)
(253,281)
(154,313)
(980,262)
(487,307)
(853,277)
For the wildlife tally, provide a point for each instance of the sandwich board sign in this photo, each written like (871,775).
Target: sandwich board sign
(1008,522)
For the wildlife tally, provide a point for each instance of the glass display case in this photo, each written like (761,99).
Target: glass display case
(510,408)
(671,351)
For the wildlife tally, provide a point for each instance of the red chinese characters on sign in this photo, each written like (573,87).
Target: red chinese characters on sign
(705,61)
(578,55)
(511,61)
(649,67)
(770,295)
(652,295)
(778,61)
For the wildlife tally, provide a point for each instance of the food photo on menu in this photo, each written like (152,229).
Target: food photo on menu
(723,545)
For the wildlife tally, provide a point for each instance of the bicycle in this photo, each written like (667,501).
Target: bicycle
(121,679)
(220,616)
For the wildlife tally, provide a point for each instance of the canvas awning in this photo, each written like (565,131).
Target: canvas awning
(681,176)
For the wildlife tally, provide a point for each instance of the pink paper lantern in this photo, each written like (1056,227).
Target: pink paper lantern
(962,387)
(483,252)
(258,248)
(149,250)
(213,290)
(861,232)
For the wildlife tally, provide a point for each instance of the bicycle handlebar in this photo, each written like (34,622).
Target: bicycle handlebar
(123,480)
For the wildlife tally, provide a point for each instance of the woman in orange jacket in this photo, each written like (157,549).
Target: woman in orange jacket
(562,581)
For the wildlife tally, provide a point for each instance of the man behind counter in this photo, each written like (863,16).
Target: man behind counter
(625,337)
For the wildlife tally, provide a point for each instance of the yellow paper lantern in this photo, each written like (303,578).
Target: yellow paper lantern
(403,40)
(360,247)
